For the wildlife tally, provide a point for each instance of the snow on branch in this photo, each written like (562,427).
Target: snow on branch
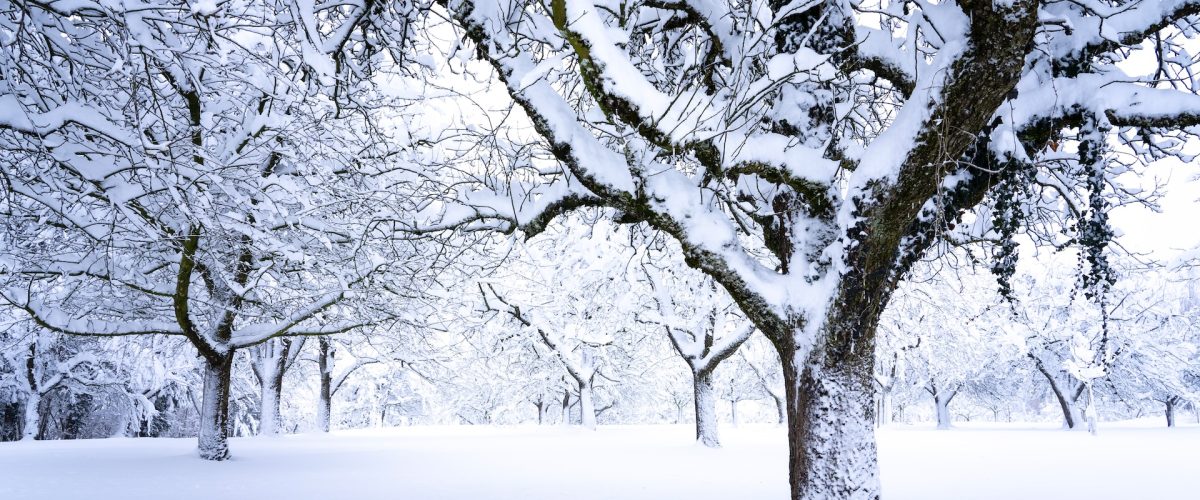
(258,333)
(876,51)
(697,340)
(493,211)
(667,200)
(59,321)
(249,335)
(14,116)
(1128,103)
(577,371)
(1095,27)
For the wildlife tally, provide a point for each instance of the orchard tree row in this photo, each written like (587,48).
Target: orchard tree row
(260,182)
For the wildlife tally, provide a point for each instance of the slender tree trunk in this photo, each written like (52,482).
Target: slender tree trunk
(884,417)
(214,410)
(831,434)
(1070,419)
(325,394)
(1090,411)
(587,406)
(1170,404)
(31,426)
(733,416)
(705,405)
(566,408)
(543,409)
(778,398)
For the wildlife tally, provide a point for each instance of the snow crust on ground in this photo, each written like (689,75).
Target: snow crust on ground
(1124,461)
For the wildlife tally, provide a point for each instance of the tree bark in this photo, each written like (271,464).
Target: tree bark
(270,421)
(1170,404)
(705,405)
(941,404)
(587,406)
(269,367)
(31,425)
(543,410)
(884,417)
(831,433)
(214,411)
(566,408)
(325,394)
(1070,419)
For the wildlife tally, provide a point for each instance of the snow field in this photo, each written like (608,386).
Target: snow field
(614,462)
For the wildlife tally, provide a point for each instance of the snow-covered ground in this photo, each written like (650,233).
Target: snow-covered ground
(616,462)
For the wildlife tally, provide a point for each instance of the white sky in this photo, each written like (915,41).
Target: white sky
(1177,228)
(1174,230)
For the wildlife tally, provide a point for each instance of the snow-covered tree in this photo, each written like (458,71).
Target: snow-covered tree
(77,387)
(570,295)
(943,334)
(762,361)
(332,376)
(806,155)
(702,324)
(1154,345)
(269,361)
(50,366)
(191,170)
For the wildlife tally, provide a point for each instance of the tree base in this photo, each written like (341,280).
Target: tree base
(216,455)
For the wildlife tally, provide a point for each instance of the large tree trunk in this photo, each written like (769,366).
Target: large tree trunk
(325,394)
(705,404)
(214,409)
(831,434)
(270,421)
(32,423)
(269,366)
(941,404)
(587,406)
(1170,404)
